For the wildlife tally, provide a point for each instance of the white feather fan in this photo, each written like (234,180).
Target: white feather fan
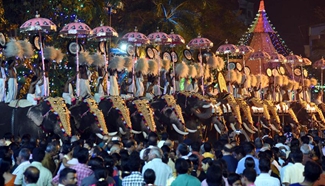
(199,70)
(59,55)
(99,60)
(128,64)
(117,63)
(142,66)
(213,62)
(192,71)
(165,64)
(85,58)
(13,49)
(153,67)
(181,70)
(50,53)
(27,48)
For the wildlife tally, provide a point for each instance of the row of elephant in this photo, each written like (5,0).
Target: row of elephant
(185,114)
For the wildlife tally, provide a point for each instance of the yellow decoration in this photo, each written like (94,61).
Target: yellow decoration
(246,109)
(235,107)
(147,113)
(119,103)
(271,107)
(171,102)
(93,108)
(58,105)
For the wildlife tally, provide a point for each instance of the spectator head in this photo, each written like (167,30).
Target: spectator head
(304,140)
(196,146)
(264,165)
(181,166)
(83,155)
(205,163)
(134,161)
(24,154)
(194,161)
(282,139)
(169,143)
(182,150)
(305,149)
(5,164)
(207,147)
(238,152)
(249,176)
(234,179)
(152,139)
(101,175)
(52,148)
(164,136)
(96,162)
(297,156)
(258,143)
(31,175)
(249,163)
(294,142)
(38,154)
(131,144)
(248,148)
(155,152)
(68,176)
(149,176)
(227,149)
(214,176)
(312,171)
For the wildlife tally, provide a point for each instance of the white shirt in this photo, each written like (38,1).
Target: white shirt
(294,174)
(265,179)
(19,171)
(161,169)
(283,169)
(45,177)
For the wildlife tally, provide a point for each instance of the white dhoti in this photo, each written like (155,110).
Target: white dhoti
(177,86)
(32,98)
(12,90)
(84,88)
(47,85)
(68,96)
(100,94)
(113,86)
(140,87)
(2,90)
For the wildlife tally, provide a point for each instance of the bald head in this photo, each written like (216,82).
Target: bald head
(31,175)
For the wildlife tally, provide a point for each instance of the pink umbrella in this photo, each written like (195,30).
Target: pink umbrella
(76,30)
(176,39)
(200,43)
(306,61)
(39,25)
(277,58)
(293,60)
(100,34)
(159,38)
(136,38)
(243,49)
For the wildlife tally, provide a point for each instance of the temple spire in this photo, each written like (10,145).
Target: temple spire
(262,7)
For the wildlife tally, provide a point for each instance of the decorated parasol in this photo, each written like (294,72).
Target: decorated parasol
(200,43)
(243,49)
(320,64)
(176,40)
(39,25)
(294,60)
(136,39)
(76,30)
(227,49)
(102,34)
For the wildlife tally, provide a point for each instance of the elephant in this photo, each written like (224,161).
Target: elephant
(89,119)
(48,117)
(169,117)
(116,114)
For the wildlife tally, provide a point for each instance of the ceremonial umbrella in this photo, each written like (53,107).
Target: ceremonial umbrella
(100,34)
(293,60)
(243,49)
(159,38)
(176,40)
(76,30)
(39,25)
(227,49)
(137,39)
(200,43)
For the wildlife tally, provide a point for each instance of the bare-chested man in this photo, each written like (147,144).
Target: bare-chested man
(12,82)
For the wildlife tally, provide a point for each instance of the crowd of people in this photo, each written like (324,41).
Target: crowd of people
(159,161)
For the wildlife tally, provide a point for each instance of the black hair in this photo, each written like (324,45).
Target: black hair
(264,165)
(38,154)
(129,143)
(183,149)
(65,148)
(181,166)
(8,136)
(282,139)
(295,142)
(249,163)
(83,155)
(250,174)
(323,163)
(207,160)
(196,146)
(64,173)
(32,174)
(149,176)
(207,147)
(101,175)
(248,147)
(287,128)
(166,150)
(305,139)
(214,176)
(24,153)
(195,162)
(164,136)
(232,178)
(312,171)
(297,156)
(96,162)
(134,161)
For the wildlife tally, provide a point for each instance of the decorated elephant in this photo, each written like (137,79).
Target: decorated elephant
(51,116)
(89,119)
(169,117)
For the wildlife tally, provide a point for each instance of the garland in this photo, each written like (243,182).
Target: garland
(24,90)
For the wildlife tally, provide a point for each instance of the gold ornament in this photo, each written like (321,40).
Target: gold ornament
(59,107)
(147,113)
(118,103)
(93,108)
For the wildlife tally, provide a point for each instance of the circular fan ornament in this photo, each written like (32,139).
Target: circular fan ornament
(247,70)
(166,56)
(294,60)
(174,56)
(187,54)
(275,72)
(232,66)
(73,48)
(150,53)
(2,40)
(297,71)
(281,70)
(269,72)
(239,66)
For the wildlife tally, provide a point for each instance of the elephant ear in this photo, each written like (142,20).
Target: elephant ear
(36,113)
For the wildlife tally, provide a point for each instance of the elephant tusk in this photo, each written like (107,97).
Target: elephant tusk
(179,131)
(122,131)
(99,135)
(206,106)
(191,131)
(144,135)
(217,128)
(135,132)
(112,133)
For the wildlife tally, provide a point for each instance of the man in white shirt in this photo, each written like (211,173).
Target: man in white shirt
(45,176)
(23,161)
(155,163)
(294,173)
(265,179)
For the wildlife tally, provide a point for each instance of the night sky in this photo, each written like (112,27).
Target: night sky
(292,18)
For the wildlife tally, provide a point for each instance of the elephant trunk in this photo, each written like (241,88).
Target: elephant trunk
(203,115)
